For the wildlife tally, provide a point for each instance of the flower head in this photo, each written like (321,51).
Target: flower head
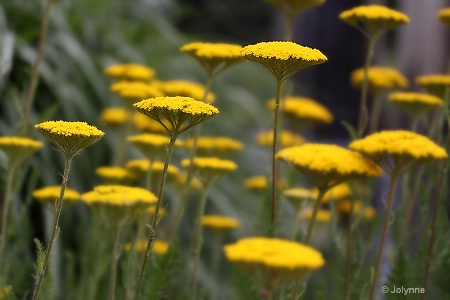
(151,145)
(219,223)
(159,247)
(181,112)
(323,215)
(276,260)
(290,8)
(379,78)
(145,124)
(140,167)
(286,139)
(338,192)
(435,84)
(283,59)
(214,57)
(185,88)
(296,196)
(304,109)
(114,116)
(134,91)
(373,19)
(344,207)
(114,175)
(18,148)
(70,137)
(51,193)
(210,144)
(130,72)
(210,168)
(415,104)
(443,15)
(402,146)
(328,165)
(256,183)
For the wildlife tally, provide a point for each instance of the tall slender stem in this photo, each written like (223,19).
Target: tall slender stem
(274,151)
(392,184)
(215,261)
(31,91)
(114,257)
(55,229)
(348,252)
(198,239)
(288,28)
(376,112)
(155,218)
(363,114)
(5,209)
(121,152)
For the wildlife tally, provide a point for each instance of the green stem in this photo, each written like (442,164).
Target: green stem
(215,260)
(31,91)
(363,115)
(392,184)
(114,257)
(376,112)
(348,253)
(414,124)
(5,209)
(120,155)
(295,222)
(198,239)
(288,28)
(55,229)
(274,151)
(155,218)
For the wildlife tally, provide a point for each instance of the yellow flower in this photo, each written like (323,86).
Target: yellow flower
(373,19)
(287,139)
(344,207)
(114,116)
(132,72)
(296,196)
(185,88)
(210,168)
(51,194)
(151,145)
(114,175)
(256,183)
(328,165)
(134,91)
(70,137)
(214,57)
(146,124)
(4,292)
(435,83)
(338,192)
(181,112)
(161,212)
(290,8)
(275,259)
(443,15)
(379,78)
(323,215)
(415,104)
(219,223)
(304,109)
(400,145)
(139,167)
(209,144)
(18,148)
(283,59)
(159,247)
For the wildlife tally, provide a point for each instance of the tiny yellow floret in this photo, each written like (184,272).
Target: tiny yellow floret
(217,222)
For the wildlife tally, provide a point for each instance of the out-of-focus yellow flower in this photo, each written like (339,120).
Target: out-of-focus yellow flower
(304,109)
(185,88)
(287,139)
(151,145)
(415,104)
(256,183)
(338,192)
(149,125)
(323,215)
(344,207)
(434,84)
(4,292)
(139,167)
(114,116)
(443,15)
(159,247)
(290,8)
(209,169)
(210,145)
(114,175)
(134,91)
(51,194)
(131,72)
(18,148)
(220,223)
(379,78)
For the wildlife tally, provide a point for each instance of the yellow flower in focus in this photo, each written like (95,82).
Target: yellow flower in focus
(114,175)
(328,165)
(283,59)
(209,144)
(209,169)
(220,223)
(114,116)
(304,109)
(180,112)
(434,84)
(159,247)
(443,15)
(132,92)
(373,19)
(275,259)
(214,57)
(51,193)
(379,78)
(344,207)
(323,215)
(256,183)
(402,146)
(287,139)
(185,88)
(70,137)
(131,72)
(415,104)
(149,125)
(290,8)
(18,148)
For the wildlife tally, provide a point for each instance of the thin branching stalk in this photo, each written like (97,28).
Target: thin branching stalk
(393,182)
(348,253)
(156,216)
(114,257)
(31,91)
(215,261)
(55,228)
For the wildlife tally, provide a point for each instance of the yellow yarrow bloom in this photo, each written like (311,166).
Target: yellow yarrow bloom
(415,104)
(144,123)
(275,259)
(328,165)
(402,146)
(18,148)
(290,8)
(51,194)
(131,72)
(4,292)
(344,207)
(159,247)
(70,137)
(212,144)
(286,139)
(283,59)
(180,112)
(379,78)
(140,167)
(210,168)
(114,116)
(114,175)
(220,223)
(151,145)
(185,88)
(214,57)
(304,109)
(338,192)
(296,196)
(256,183)
(323,215)
(373,19)
(434,83)
(443,15)
(134,91)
